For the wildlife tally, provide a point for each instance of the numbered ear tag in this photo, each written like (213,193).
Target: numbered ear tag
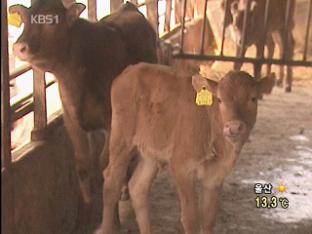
(15,20)
(204,97)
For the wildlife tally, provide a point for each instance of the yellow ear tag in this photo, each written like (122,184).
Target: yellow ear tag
(204,97)
(15,20)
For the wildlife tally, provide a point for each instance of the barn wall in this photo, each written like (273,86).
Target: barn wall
(46,188)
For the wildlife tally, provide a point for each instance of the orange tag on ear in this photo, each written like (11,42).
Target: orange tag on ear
(204,98)
(15,20)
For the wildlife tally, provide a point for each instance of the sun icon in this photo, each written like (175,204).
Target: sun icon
(281,188)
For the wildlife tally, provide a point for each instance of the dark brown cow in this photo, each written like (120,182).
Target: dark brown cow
(84,57)
(255,30)
(167,127)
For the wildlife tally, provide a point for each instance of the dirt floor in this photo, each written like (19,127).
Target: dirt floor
(279,152)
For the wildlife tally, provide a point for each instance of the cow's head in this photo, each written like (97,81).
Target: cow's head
(237,96)
(45,35)
(237,9)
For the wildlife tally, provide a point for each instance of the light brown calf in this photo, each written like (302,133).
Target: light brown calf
(154,112)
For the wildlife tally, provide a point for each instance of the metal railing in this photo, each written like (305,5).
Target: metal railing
(258,61)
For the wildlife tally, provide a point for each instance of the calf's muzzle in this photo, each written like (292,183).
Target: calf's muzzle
(21,50)
(234,129)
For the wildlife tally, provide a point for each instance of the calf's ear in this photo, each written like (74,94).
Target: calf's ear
(234,7)
(200,82)
(266,84)
(21,10)
(74,11)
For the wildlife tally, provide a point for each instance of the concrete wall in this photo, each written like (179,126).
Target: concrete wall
(45,188)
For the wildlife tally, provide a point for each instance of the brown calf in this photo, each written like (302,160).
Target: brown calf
(166,126)
(85,57)
(275,31)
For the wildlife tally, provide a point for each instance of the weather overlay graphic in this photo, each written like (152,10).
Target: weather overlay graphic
(264,198)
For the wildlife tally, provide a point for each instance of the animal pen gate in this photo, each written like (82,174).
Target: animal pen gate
(241,58)
(36,102)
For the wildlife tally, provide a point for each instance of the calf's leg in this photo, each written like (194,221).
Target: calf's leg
(215,170)
(277,36)
(238,65)
(83,165)
(289,56)
(211,185)
(114,178)
(185,181)
(139,188)
(270,47)
(83,160)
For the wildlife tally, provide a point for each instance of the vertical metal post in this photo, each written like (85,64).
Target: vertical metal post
(40,106)
(168,15)
(203,28)
(223,29)
(246,16)
(7,193)
(307,34)
(5,93)
(183,26)
(92,14)
(152,14)
(115,5)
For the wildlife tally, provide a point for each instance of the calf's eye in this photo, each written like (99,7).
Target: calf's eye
(254,99)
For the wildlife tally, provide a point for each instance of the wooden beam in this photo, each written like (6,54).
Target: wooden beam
(92,10)
(115,5)
(152,13)
(40,106)
(7,182)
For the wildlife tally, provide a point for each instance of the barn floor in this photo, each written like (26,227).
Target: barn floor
(279,152)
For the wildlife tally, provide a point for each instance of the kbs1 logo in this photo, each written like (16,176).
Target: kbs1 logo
(44,19)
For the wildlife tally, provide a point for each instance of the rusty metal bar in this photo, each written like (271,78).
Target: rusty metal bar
(183,25)
(7,182)
(92,14)
(20,71)
(40,106)
(5,93)
(29,107)
(245,59)
(265,29)
(285,36)
(203,29)
(21,107)
(306,41)
(223,29)
(246,16)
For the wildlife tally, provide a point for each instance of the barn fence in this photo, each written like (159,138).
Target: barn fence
(36,102)
(241,58)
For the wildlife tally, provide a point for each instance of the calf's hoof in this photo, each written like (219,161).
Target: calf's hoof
(101,230)
(288,89)
(279,83)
